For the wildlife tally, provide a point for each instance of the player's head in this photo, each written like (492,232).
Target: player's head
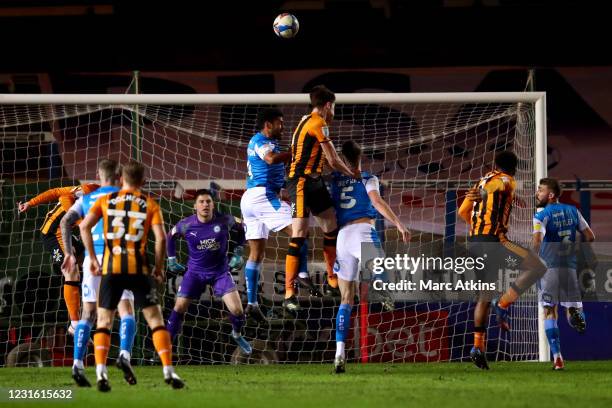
(352,153)
(506,161)
(324,101)
(270,122)
(108,171)
(204,204)
(549,191)
(132,174)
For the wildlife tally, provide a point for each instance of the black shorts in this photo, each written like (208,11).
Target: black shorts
(56,249)
(498,255)
(112,287)
(308,195)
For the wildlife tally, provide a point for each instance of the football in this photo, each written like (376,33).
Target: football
(286,25)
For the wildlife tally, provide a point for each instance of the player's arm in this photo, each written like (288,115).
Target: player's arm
(539,229)
(157,225)
(335,162)
(585,229)
(90,220)
(173,235)
(276,158)
(74,214)
(45,198)
(236,243)
(382,207)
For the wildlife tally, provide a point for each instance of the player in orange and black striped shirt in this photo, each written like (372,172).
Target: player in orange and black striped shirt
(487,209)
(128,215)
(52,239)
(311,148)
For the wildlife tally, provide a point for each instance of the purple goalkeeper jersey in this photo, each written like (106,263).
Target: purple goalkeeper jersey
(207,242)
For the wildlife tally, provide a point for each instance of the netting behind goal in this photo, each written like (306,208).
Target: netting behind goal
(421,153)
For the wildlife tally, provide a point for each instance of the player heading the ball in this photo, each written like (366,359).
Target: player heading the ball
(311,148)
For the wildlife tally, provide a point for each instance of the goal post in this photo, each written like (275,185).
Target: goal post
(425,148)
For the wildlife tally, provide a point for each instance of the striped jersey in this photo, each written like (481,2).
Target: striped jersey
(306,153)
(128,216)
(491,216)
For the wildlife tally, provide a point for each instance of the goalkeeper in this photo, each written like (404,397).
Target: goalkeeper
(208,236)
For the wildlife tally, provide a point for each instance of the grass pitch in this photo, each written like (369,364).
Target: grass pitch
(582,384)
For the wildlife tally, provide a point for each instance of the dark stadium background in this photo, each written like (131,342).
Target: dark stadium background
(351,45)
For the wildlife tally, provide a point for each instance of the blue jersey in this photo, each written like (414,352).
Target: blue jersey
(351,198)
(559,223)
(260,173)
(82,206)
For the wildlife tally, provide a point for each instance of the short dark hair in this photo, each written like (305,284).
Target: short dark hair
(320,95)
(552,184)
(506,161)
(267,115)
(133,173)
(109,169)
(204,191)
(352,151)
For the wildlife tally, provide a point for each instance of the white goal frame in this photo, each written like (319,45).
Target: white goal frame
(538,98)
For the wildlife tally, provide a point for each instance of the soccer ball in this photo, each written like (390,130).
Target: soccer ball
(286,25)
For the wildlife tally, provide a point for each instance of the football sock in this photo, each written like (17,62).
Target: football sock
(175,323)
(251,273)
(480,338)
(509,297)
(73,301)
(329,253)
(292,265)
(127,332)
(343,325)
(81,337)
(163,346)
(552,334)
(101,346)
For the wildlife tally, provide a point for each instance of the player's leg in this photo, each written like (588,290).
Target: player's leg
(72,298)
(481,316)
(347,270)
(327,221)
(82,331)
(533,269)
(255,208)
(231,298)
(109,295)
(127,332)
(303,277)
(146,297)
(162,343)
(366,248)
(191,287)
(552,334)
(572,301)
(299,230)
(81,340)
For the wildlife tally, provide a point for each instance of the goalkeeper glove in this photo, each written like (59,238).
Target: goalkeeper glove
(174,266)
(237,261)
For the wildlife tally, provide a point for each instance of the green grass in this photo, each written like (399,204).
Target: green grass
(582,384)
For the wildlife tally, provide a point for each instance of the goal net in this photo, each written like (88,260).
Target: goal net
(427,150)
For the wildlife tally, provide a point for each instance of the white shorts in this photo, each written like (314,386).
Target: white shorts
(262,212)
(348,249)
(559,285)
(90,285)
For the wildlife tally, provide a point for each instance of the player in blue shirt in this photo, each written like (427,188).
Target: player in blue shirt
(262,208)
(554,236)
(108,171)
(207,234)
(356,203)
